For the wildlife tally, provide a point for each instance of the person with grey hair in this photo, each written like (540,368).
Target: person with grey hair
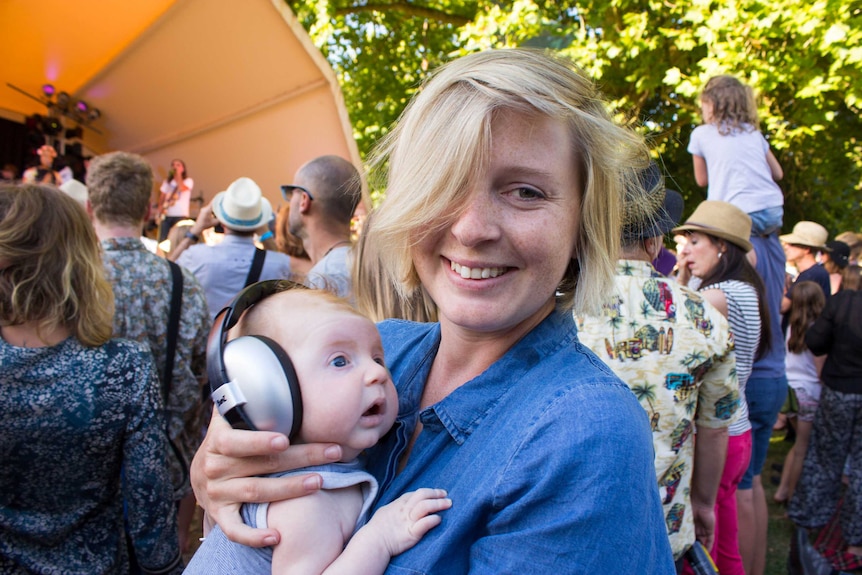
(119,186)
(323,198)
(505,184)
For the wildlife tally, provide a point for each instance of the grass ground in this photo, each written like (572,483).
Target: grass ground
(780,528)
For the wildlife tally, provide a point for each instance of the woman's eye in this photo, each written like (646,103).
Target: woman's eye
(339,361)
(525,193)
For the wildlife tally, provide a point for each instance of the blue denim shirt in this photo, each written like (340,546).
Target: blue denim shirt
(547,457)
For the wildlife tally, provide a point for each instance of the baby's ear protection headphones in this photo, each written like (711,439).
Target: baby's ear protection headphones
(252,379)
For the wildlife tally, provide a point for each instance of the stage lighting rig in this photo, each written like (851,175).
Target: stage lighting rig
(81,112)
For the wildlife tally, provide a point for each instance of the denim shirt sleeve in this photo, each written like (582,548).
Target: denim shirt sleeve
(576,497)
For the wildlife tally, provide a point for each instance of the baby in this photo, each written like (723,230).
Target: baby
(347,397)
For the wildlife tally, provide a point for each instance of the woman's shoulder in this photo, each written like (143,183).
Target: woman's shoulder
(398,333)
(124,359)
(734,287)
(128,348)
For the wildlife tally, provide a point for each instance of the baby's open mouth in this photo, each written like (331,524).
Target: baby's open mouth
(373,410)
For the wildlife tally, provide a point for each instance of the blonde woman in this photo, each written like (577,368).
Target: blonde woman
(80,409)
(505,185)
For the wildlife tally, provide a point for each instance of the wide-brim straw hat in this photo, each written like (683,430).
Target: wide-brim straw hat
(242,206)
(722,220)
(808,234)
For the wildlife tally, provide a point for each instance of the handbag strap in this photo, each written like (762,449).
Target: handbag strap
(256,267)
(173,328)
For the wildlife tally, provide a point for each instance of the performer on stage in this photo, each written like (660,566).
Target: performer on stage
(176,195)
(44,173)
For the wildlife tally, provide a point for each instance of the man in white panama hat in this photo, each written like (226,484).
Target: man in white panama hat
(801,247)
(225,269)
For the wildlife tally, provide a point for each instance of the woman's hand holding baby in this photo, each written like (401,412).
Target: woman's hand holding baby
(224,468)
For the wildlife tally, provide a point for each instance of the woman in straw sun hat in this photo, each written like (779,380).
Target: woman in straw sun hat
(715,253)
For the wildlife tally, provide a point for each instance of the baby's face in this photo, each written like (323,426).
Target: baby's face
(347,392)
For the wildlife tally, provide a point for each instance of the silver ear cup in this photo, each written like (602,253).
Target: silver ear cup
(258,375)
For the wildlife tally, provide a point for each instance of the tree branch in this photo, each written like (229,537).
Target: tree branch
(408,9)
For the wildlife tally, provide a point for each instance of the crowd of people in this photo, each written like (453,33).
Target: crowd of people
(548,388)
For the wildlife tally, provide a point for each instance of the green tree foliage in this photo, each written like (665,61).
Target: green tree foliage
(650,57)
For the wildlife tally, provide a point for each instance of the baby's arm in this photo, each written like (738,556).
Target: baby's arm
(393,529)
(311,533)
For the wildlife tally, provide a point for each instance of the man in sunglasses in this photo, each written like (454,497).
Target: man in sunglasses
(323,198)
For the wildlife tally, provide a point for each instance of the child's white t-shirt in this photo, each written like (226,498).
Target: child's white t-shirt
(737,168)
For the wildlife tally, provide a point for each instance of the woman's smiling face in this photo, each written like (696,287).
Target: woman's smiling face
(499,262)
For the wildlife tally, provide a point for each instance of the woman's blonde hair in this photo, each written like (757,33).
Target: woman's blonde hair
(733,104)
(50,267)
(443,140)
(374,294)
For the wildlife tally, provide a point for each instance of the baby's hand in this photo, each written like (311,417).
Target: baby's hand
(402,523)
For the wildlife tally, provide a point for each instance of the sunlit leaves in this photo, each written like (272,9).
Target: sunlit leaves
(650,58)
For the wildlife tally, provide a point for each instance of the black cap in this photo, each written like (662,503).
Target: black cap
(839,252)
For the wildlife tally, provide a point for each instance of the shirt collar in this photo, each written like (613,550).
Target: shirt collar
(236,239)
(465,408)
(637,268)
(123,244)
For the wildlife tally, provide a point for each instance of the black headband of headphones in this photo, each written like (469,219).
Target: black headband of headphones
(217,341)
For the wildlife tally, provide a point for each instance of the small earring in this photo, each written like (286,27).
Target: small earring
(719,254)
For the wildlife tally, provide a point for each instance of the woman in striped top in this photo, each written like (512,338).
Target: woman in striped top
(715,254)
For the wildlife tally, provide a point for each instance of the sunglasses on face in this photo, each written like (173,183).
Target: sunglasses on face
(288,189)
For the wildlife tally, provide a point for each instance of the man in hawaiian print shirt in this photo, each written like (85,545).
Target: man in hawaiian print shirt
(120,185)
(674,351)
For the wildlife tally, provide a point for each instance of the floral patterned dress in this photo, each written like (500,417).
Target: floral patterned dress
(83,430)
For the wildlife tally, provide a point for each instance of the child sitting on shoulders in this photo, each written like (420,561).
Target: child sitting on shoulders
(733,158)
